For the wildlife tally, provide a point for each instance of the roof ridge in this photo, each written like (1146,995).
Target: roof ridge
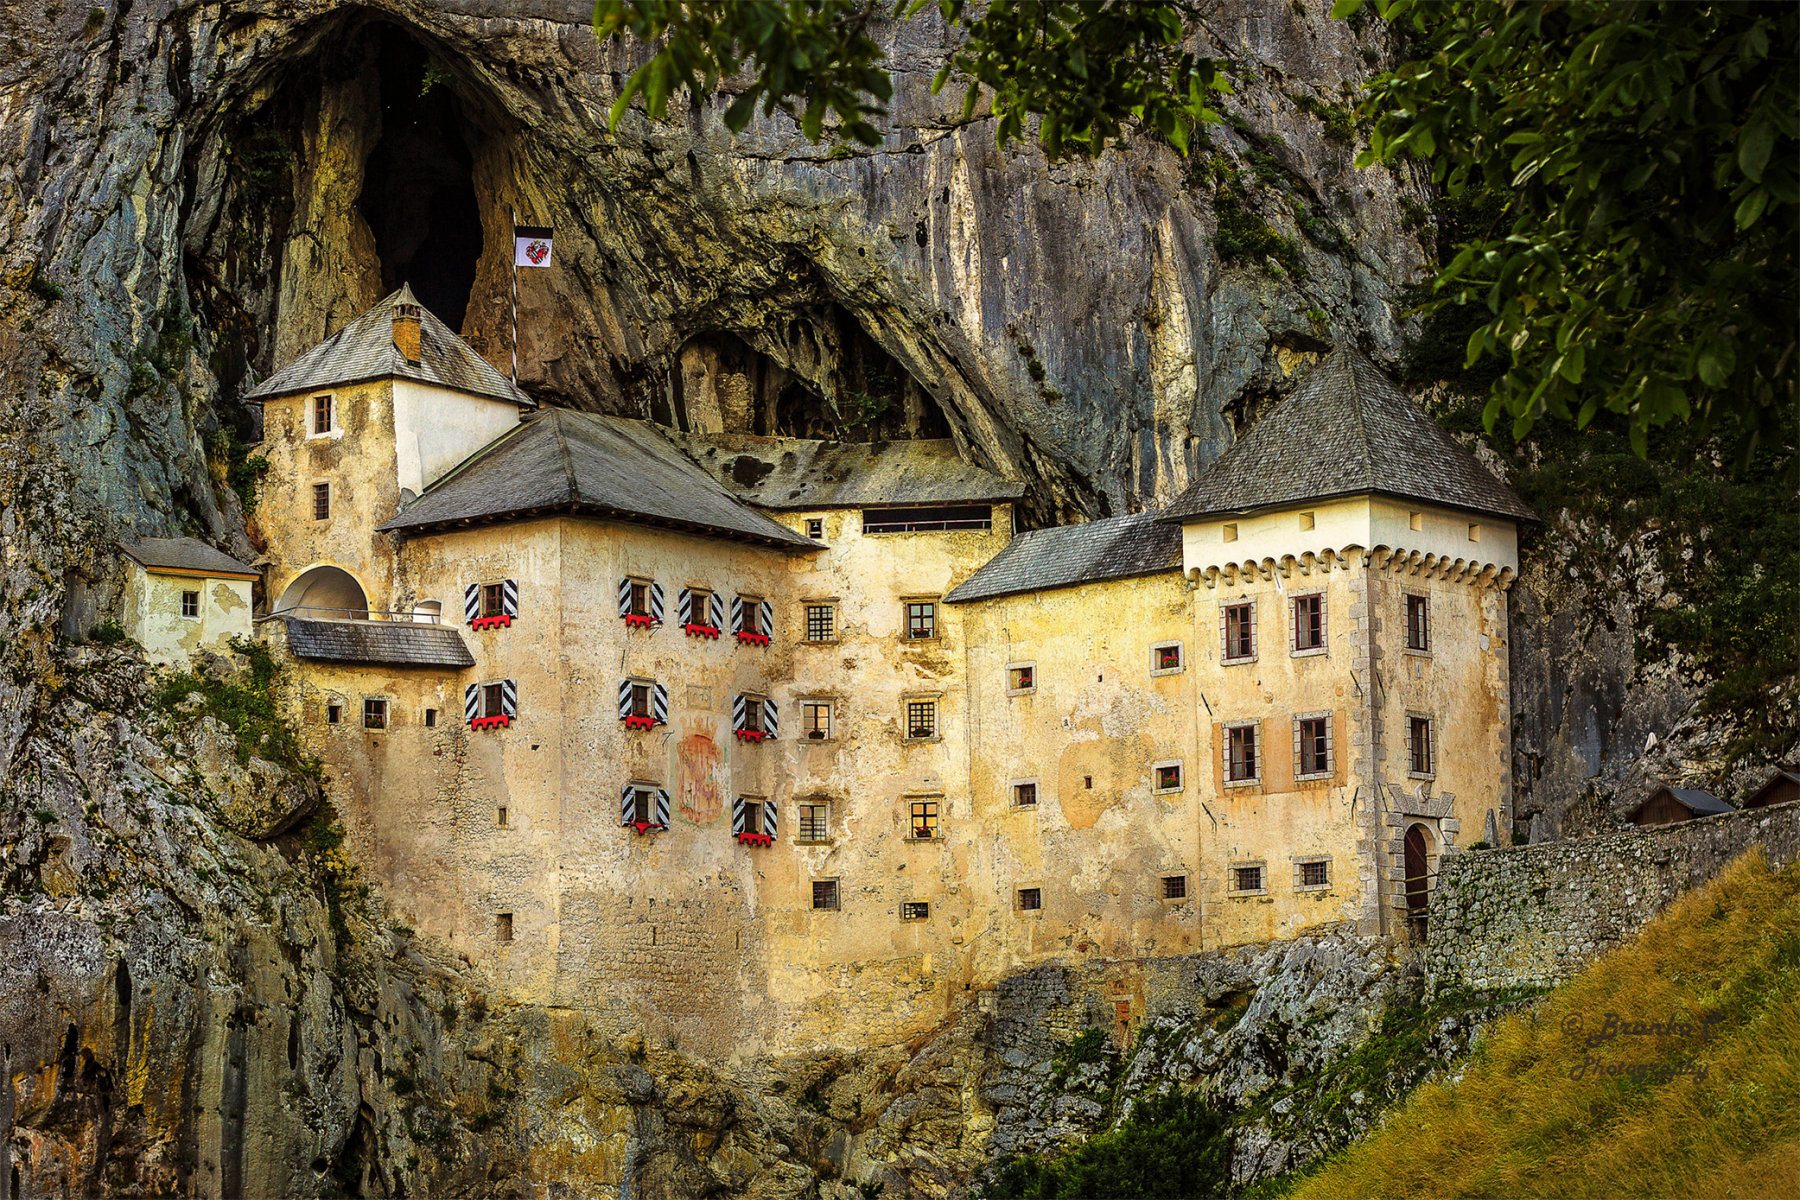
(563,456)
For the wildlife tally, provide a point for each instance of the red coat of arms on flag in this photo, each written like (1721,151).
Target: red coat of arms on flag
(531,245)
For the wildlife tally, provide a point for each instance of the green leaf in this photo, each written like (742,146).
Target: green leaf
(1573,363)
(740,112)
(1755,149)
(1752,207)
(1343,10)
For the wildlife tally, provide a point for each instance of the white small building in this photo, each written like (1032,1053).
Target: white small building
(181,595)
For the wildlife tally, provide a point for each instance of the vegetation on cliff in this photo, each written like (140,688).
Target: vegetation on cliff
(1669,1068)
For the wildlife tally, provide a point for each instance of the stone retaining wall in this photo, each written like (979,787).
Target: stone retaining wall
(1533,916)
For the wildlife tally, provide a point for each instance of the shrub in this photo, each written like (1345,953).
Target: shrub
(108,633)
(1172,1145)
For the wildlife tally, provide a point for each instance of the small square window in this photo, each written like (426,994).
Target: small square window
(1240,632)
(1165,658)
(921,620)
(922,820)
(321,501)
(1025,794)
(503,927)
(334,714)
(1031,899)
(1415,521)
(821,623)
(1168,777)
(1418,623)
(1021,678)
(190,604)
(1306,520)
(322,414)
(1230,532)
(815,528)
(815,720)
(500,816)
(1474,532)
(374,714)
(825,893)
(1247,879)
(1241,764)
(431,718)
(1174,887)
(921,719)
(1315,874)
(915,910)
(815,821)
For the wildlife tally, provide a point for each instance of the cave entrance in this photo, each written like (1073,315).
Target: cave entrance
(418,194)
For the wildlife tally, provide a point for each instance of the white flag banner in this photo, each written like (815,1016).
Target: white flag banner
(531,245)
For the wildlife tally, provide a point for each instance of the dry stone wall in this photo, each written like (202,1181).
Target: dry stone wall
(1533,916)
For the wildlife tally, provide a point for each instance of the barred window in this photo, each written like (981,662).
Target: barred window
(825,893)
(1174,887)
(1315,874)
(1240,753)
(1313,736)
(821,623)
(815,821)
(1247,879)
(915,910)
(375,714)
(815,720)
(921,619)
(190,604)
(922,820)
(321,501)
(1418,623)
(921,719)
(1031,899)
(1418,748)
(1240,631)
(1309,622)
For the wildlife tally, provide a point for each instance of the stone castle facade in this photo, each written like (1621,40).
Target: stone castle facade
(770,745)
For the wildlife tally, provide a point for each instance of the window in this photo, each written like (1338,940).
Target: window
(1031,899)
(503,927)
(815,528)
(825,893)
(1247,879)
(921,619)
(915,910)
(1306,520)
(753,715)
(1418,623)
(493,699)
(1165,658)
(1315,874)
(640,806)
(322,414)
(334,714)
(321,501)
(815,821)
(500,816)
(699,606)
(815,720)
(190,604)
(1309,623)
(927,519)
(1415,521)
(1229,531)
(1021,678)
(821,623)
(493,600)
(1418,745)
(1474,532)
(640,699)
(921,719)
(750,615)
(640,598)
(1174,887)
(1240,754)
(922,820)
(1312,754)
(374,714)
(1025,794)
(1240,632)
(1168,777)
(431,718)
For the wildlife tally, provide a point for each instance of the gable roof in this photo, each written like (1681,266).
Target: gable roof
(1067,555)
(185,556)
(1346,430)
(560,460)
(364,349)
(1701,804)
(799,473)
(384,643)
(1765,794)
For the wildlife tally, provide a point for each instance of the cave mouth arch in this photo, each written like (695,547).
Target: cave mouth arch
(325,591)
(418,194)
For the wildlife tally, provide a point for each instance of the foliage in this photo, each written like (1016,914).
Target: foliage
(1084,68)
(432,76)
(262,161)
(1540,1112)
(243,471)
(108,633)
(247,708)
(44,289)
(1647,152)
(1171,1145)
(324,840)
(1244,236)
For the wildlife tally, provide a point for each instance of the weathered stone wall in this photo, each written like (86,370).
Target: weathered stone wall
(1535,915)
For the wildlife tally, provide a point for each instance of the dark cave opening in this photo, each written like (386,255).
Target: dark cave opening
(418,193)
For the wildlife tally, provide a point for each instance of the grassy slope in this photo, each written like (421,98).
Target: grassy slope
(1517,1124)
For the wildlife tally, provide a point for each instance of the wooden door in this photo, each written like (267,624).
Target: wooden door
(1418,871)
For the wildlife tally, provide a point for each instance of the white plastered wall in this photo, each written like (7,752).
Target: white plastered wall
(1362,521)
(436,428)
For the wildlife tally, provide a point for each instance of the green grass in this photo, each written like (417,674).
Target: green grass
(1541,1113)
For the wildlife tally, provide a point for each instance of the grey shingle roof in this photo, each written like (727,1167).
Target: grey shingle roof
(1346,430)
(364,349)
(184,554)
(795,473)
(559,460)
(384,643)
(1066,555)
(1701,804)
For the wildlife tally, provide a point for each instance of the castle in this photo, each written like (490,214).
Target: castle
(768,744)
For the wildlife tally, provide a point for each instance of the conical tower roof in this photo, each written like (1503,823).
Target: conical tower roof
(1347,430)
(364,349)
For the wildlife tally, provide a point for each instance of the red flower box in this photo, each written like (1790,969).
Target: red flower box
(499,722)
(695,630)
(640,722)
(755,839)
(639,620)
(750,735)
(500,621)
(752,639)
(644,826)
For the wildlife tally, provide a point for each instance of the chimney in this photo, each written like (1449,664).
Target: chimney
(406,331)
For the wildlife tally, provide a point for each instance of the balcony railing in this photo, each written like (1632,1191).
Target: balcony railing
(317,613)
